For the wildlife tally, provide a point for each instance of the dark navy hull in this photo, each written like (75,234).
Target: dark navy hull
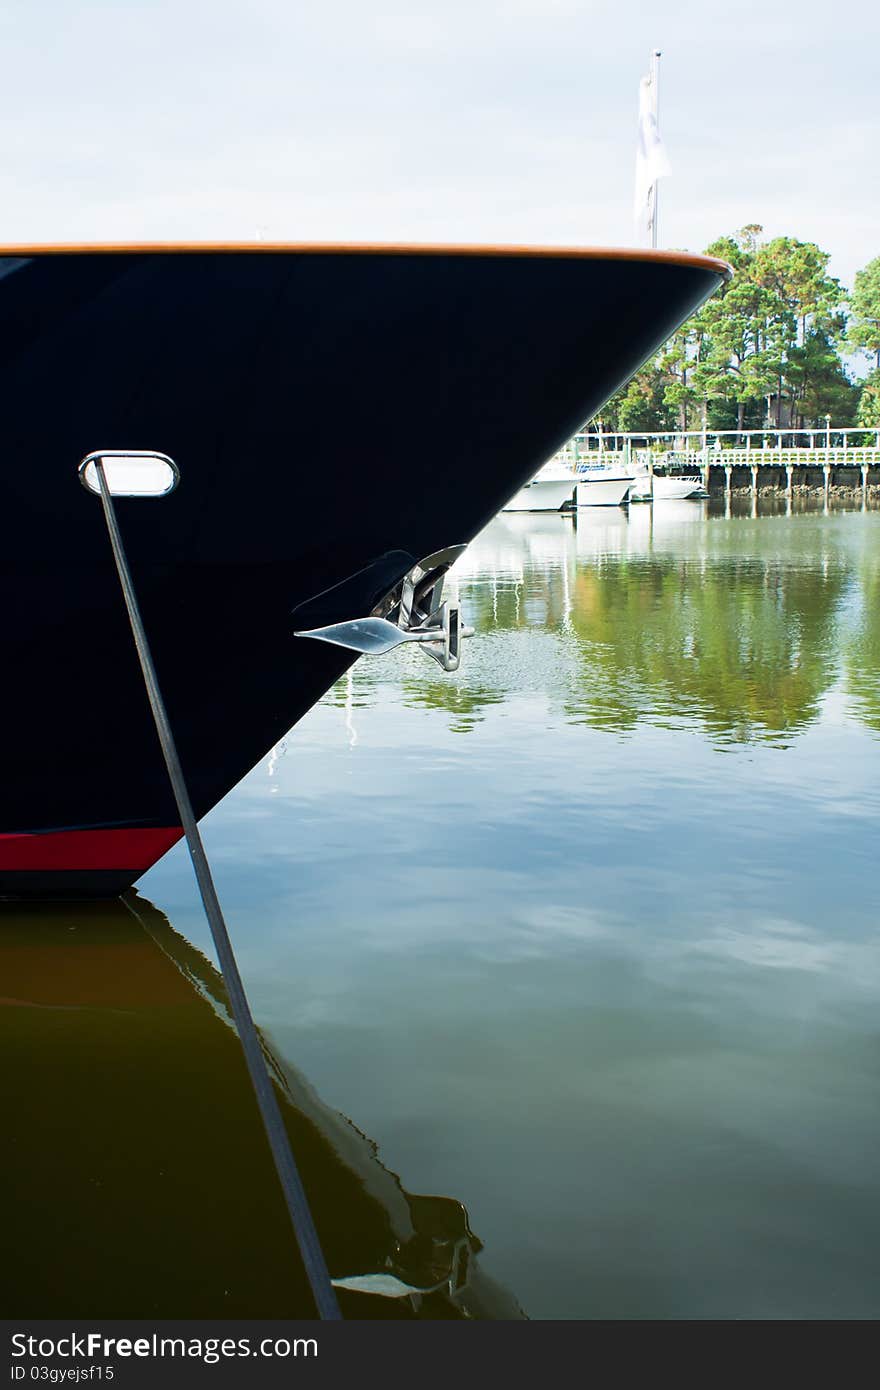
(336,415)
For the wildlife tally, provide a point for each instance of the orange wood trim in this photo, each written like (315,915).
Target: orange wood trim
(336,248)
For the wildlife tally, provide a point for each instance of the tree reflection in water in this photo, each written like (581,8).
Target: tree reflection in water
(737,626)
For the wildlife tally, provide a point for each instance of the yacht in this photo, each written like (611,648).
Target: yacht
(231,367)
(551,489)
(667,487)
(602,485)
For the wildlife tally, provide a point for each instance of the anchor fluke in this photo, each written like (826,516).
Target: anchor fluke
(369,636)
(421,617)
(440,639)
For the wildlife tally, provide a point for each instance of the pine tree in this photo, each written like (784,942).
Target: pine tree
(864,303)
(765,350)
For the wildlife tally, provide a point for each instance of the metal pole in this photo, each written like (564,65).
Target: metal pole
(655,106)
(291,1183)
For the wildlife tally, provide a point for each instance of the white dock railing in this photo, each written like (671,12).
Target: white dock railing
(769,440)
(853,456)
(850,457)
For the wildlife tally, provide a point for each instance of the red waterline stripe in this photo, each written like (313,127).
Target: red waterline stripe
(87,849)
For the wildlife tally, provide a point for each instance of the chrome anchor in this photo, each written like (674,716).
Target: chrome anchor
(422,616)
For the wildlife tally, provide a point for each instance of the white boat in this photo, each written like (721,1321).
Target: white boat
(601,485)
(551,488)
(668,487)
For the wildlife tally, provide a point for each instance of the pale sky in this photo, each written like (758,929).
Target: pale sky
(473,121)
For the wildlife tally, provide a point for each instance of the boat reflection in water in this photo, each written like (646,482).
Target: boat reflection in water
(138,1181)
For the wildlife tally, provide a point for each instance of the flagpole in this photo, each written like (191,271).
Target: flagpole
(655,107)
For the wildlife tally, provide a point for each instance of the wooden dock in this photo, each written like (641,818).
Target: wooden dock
(783,461)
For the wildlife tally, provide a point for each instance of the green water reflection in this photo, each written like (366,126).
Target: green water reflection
(862,652)
(738,624)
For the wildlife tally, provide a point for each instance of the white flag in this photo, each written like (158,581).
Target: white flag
(652,161)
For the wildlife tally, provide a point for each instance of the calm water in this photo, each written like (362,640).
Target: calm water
(579,944)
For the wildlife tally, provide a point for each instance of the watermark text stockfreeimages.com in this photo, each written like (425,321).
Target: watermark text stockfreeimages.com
(94,1347)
